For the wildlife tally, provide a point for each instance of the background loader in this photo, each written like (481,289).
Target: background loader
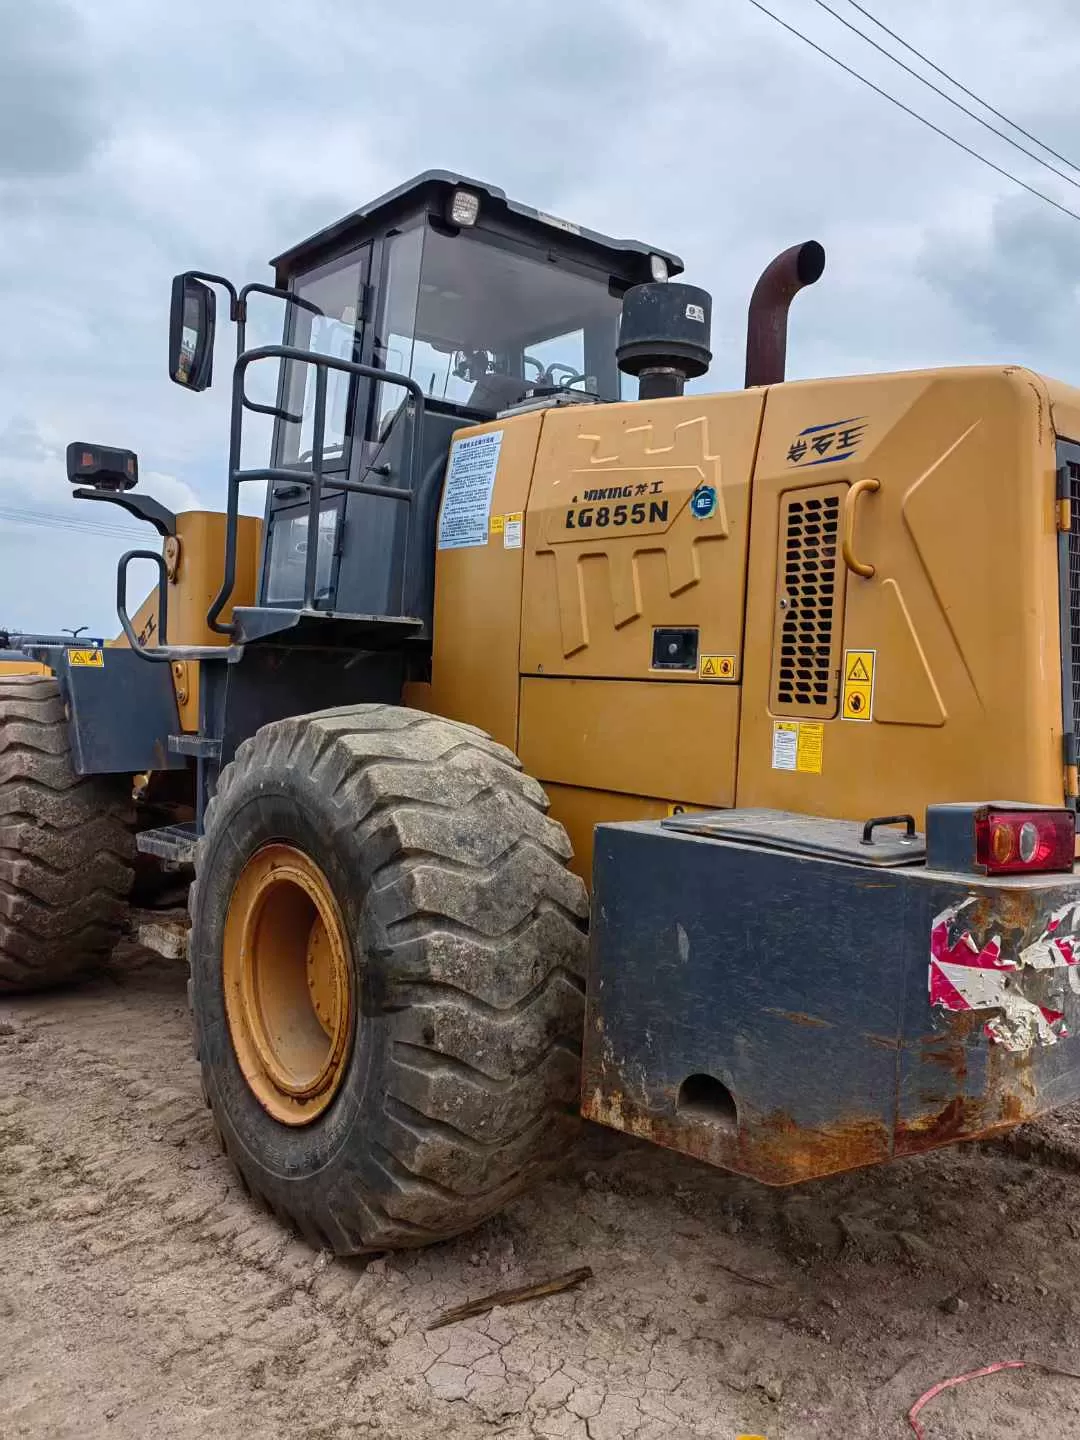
(751,666)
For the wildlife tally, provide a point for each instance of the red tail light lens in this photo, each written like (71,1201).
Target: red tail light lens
(1014,842)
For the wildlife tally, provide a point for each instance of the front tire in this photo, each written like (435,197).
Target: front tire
(415,1063)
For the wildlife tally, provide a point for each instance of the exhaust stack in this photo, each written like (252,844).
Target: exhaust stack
(766,321)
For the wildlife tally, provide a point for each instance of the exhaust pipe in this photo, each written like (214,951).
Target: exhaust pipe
(766,321)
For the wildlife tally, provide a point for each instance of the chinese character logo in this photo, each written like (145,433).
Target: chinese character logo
(703,502)
(822,444)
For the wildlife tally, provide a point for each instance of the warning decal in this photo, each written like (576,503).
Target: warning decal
(497,523)
(513,530)
(470,479)
(716,667)
(811,747)
(858,684)
(86,657)
(785,744)
(798,745)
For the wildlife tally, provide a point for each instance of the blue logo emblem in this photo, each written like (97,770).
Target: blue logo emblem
(703,502)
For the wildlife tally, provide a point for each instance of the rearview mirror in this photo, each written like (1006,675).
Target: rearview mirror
(191,332)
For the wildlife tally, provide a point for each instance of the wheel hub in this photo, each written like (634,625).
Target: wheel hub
(288,984)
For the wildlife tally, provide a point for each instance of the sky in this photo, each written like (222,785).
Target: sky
(134,145)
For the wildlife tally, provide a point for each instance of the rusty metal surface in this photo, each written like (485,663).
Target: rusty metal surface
(767,317)
(700,952)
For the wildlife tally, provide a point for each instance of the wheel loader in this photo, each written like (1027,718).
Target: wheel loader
(780,687)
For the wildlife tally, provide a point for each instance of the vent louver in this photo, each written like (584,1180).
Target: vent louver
(809,605)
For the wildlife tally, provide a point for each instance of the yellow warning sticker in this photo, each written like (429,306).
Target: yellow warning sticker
(858,684)
(798,745)
(497,524)
(811,747)
(716,667)
(513,530)
(86,657)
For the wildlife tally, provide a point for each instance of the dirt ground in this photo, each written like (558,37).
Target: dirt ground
(142,1295)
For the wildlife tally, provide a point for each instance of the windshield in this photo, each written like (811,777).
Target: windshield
(475,322)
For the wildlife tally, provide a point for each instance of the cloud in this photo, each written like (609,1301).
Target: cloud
(52,113)
(1012,285)
(131,149)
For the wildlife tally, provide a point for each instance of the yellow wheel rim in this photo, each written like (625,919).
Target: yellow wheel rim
(288,984)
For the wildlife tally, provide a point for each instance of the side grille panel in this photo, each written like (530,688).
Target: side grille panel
(808,627)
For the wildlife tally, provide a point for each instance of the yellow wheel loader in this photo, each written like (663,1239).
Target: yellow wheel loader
(784,682)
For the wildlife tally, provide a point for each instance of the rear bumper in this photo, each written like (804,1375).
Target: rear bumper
(851,1014)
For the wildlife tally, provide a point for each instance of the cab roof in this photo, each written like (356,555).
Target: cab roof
(430,192)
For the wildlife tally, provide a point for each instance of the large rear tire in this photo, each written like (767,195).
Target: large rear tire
(387,954)
(65,846)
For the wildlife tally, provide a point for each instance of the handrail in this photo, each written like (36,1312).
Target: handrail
(146,652)
(314,480)
(847,541)
(162,653)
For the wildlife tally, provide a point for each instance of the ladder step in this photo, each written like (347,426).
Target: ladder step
(203,747)
(170,842)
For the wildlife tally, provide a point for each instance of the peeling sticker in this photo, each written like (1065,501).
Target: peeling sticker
(1025,994)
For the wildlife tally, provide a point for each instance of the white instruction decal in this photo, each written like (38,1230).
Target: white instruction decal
(512,530)
(470,479)
(785,745)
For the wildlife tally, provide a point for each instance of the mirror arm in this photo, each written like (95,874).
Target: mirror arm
(255,288)
(143,507)
(235,301)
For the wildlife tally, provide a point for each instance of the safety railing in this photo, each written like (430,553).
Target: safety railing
(313,478)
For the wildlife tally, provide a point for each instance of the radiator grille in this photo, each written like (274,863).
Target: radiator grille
(809,604)
(1073,701)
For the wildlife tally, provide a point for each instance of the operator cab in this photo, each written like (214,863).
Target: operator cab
(475,297)
(440,305)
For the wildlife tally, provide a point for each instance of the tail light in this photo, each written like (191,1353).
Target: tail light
(1015,842)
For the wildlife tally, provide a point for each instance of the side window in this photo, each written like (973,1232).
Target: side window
(559,361)
(335,289)
(329,335)
(394,342)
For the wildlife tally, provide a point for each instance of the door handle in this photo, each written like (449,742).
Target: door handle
(847,541)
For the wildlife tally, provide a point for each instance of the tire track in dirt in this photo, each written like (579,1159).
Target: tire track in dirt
(142,1294)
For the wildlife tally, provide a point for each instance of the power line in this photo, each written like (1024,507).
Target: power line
(957,104)
(49,520)
(993,165)
(970,93)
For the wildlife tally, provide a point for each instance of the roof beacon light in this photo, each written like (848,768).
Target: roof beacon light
(658,268)
(464,207)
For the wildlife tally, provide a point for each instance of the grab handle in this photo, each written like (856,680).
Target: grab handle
(847,543)
(159,652)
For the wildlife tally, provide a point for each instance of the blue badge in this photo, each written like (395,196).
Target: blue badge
(703,502)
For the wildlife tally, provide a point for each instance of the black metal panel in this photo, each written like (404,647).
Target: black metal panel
(387,548)
(429,191)
(269,684)
(799,985)
(120,713)
(807,834)
(321,629)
